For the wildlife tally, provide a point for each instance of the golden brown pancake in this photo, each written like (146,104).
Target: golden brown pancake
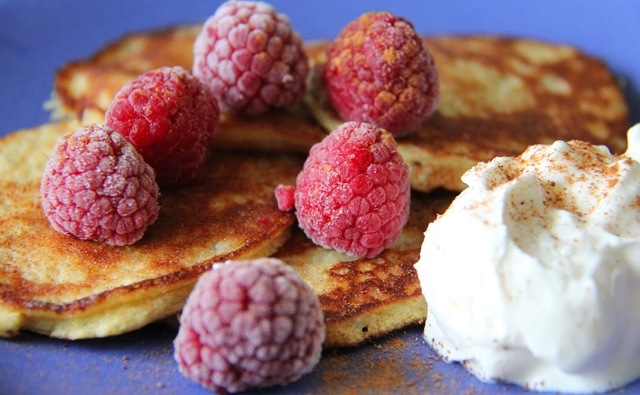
(499,95)
(92,83)
(64,287)
(361,299)
(68,288)
(84,89)
(366,298)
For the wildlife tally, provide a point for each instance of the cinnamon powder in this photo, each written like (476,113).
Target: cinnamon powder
(387,366)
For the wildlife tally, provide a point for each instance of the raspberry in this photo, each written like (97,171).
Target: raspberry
(353,193)
(250,58)
(379,71)
(249,324)
(170,117)
(96,186)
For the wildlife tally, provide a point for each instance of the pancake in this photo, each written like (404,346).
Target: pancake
(63,287)
(367,298)
(83,90)
(498,95)
(361,299)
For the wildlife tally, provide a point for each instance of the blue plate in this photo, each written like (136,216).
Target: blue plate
(39,36)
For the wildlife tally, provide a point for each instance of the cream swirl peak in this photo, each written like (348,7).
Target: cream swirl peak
(532,275)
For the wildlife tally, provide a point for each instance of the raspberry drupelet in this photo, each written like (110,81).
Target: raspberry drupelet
(96,186)
(285,197)
(249,324)
(170,117)
(379,71)
(250,58)
(353,193)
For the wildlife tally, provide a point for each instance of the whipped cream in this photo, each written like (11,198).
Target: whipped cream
(532,276)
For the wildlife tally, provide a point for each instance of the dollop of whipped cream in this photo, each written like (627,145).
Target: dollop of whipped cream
(532,276)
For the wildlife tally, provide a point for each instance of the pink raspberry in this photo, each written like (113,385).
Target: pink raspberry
(249,324)
(170,117)
(379,71)
(96,186)
(353,193)
(250,58)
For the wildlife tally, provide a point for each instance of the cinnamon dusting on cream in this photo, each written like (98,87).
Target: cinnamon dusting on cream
(543,292)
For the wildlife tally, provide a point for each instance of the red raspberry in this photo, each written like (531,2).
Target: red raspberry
(96,186)
(353,193)
(249,324)
(379,71)
(170,117)
(251,58)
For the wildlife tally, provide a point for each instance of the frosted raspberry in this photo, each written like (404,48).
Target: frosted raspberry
(250,58)
(96,186)
(353,193)
(379,71)
(170,117)
(249,324)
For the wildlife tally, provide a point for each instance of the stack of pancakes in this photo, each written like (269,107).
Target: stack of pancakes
(498,96)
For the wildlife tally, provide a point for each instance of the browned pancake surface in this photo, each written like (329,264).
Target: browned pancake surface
(84,89)
(365,298)
(61,286)
(498,95)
